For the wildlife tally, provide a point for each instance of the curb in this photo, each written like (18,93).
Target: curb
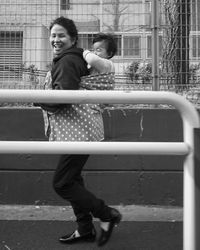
(65,213)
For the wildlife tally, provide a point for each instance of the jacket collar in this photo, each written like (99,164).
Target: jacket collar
(72,50)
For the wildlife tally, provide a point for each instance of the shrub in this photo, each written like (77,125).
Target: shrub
(139,72)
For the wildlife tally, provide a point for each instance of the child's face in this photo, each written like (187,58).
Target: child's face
(99,48)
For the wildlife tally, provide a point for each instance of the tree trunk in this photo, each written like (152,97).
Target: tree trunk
(183,52)
(175,61)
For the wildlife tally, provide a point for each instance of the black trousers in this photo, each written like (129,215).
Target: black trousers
(69,184)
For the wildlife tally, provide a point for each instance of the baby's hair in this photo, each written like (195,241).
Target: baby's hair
(110,42)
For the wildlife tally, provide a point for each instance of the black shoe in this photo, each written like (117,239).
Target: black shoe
(105,235)
(72,238)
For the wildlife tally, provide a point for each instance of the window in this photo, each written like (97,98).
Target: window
(11,54)
(132,46)
(147,13)
(149,46)
(64,4)
(196,46)
(85,40)
(195,17)
(119,45)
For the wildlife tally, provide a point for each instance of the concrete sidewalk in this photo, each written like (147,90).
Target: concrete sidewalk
(39,227)
(59,213)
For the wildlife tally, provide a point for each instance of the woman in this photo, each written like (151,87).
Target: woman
(75,122)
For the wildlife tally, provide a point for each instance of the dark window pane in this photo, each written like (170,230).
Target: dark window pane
(195,46)
(85,40)
(64,4)
(132,46)
(119,45)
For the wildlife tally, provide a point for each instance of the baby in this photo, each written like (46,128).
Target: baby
(104,48)
(102,69)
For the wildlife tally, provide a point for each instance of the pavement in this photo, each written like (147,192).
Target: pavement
(39,227)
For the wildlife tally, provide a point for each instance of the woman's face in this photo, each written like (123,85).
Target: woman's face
(60,39)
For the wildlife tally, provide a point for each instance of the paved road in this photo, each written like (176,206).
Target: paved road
(35,231)
(43,235)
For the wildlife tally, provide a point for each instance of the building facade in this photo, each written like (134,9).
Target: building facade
(24,36)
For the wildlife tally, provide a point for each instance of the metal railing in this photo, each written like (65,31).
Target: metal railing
(187,111)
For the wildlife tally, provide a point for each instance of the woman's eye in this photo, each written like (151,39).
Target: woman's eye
(62,35)
(59,36)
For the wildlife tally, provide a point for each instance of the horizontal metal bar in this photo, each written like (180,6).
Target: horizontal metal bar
(188,113)
(186,109)
(125,148)
(94,96)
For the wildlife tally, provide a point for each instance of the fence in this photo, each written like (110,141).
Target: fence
(158,48)
(158,41)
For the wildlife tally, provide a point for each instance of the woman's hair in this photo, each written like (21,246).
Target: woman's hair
(110,42)
(69,25)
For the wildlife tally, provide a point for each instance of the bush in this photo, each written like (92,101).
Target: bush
(139,72)
(195,73)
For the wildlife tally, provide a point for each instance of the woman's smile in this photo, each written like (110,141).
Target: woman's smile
(57,47)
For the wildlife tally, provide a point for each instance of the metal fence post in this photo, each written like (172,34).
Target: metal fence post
(155,44)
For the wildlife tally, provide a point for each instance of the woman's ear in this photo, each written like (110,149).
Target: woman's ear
(74,41)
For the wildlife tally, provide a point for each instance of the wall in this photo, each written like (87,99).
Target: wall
(119,179)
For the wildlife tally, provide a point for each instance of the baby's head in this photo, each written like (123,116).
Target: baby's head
(104,45)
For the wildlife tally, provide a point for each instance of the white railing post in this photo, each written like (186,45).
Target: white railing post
(189,116)
(197,184)
(189,223)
